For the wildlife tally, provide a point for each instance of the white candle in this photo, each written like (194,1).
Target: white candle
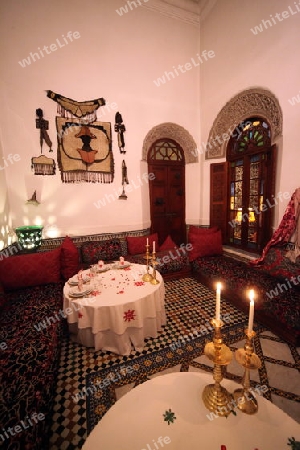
(251,311)
(147,241)
(218,301)
(153,246)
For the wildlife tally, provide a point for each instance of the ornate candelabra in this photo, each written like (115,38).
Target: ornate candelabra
(154,263)
(147,276)
(244,399)
(215,397)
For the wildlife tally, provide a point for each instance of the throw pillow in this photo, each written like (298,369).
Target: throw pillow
(201,230)
(137,244)
(3,300)
(32,269)
(69,258)
(209,244)
(168,244)
(107,250)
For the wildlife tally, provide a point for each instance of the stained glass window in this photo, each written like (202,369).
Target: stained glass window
(254,135)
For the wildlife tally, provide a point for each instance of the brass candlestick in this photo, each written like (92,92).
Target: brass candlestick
(215,397)
(245,400)
(154,263)
(147,276)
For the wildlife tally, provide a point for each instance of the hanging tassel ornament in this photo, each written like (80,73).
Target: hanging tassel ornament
(43,165)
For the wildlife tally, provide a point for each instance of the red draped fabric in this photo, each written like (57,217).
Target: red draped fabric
(286,228)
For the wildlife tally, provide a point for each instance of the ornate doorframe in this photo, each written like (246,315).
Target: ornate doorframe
(169,130)
(254,102)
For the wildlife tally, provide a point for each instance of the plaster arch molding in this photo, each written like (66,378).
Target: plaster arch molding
(251,102)
(177,133)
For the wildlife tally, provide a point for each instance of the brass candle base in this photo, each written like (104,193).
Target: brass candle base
(154,263)
(215,397)
(147,276)
(245,400)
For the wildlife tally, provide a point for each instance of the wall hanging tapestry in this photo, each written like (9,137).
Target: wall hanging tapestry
(85,109)
(84,152)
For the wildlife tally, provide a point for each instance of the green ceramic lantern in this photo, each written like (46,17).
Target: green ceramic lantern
(30,237)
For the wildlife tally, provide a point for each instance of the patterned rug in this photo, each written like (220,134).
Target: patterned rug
(90,382)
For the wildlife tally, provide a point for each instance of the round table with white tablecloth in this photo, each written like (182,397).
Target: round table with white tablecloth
(122,312)
(168,412)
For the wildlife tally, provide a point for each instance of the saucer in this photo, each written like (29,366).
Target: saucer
(75,293)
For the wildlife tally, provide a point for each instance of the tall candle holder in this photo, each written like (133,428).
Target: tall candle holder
(147,276)
(154,263)
(245,400)
(215,397)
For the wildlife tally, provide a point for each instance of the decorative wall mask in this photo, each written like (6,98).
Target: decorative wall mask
(120,129)
(41,164)
(43,126)
(123,196)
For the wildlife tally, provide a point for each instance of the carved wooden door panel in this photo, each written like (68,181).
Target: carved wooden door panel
(167,191)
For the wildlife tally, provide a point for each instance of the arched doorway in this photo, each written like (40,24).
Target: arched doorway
(167,148)
(167,190)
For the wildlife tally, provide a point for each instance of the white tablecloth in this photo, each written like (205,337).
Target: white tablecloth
(125,312)
(136,421)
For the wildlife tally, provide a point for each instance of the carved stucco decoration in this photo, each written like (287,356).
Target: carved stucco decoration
(178,134)
(249,103)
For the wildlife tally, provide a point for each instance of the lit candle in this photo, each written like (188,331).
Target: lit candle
(251,311)
(218,301)
(153,246)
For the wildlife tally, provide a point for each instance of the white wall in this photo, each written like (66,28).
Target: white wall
(243,60)
(115,57)
(4,206)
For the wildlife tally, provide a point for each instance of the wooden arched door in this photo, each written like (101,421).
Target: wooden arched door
(167,190)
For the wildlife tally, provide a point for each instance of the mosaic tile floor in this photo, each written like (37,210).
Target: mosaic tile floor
(189,306)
